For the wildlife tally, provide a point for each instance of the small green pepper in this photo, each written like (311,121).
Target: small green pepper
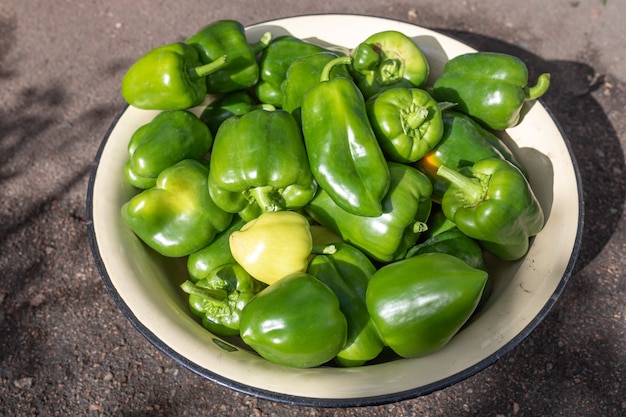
(236,103)
(347,271)
(295,322)
(177,216)
(201,262)
(418,304)
(495,204)
(303,74)
(345,157)
(219,298)
(463,143)
(227,38)
(274,63)
(406,121)
(491,87)
(259,160)
(387,237)
(168,77)
(167,139)
(388,59)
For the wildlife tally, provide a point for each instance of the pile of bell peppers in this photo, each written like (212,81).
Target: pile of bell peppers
(332,207)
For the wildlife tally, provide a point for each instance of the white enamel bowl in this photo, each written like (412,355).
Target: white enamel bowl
(145,285)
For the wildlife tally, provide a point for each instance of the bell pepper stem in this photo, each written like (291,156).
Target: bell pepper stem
(342,60)
(206,69)
(215,295)
(324,249)
(267,197)
(419,227)
(416,117)
(543,83)
(472,190)
(262,43)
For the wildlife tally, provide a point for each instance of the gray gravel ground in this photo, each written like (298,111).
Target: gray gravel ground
(65,347)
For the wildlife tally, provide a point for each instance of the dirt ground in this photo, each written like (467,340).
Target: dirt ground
(65,347)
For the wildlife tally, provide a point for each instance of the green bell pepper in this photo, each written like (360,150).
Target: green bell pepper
(259,164)
(177,216)
(219,299)
(347,272)
(418,304)
(406,121)
(491,87)
(387,237)
(345,157)
(169,138)
(236,103)
(464,142)
(274,63)
(388,59)
(227,38)
(217,253)
(168,77)
(295,322)
(456,243)
(495,205)
(303,74)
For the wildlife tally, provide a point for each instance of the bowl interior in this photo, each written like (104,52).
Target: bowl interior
(145,285)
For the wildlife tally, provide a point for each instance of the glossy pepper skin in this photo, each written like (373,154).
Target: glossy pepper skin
(168,77)
(219,298)
(347,272)
(274,63)
(463,143)
(296,322)
(273,245)
(302,75)
(217,253)
(388,59)
(345,157)
(494,204)
(491,87)
(177,216)
(227,38)
(387,237)
(458,244)
(406,121)
(169,138)
(259,164)
(236,103)
(418,304)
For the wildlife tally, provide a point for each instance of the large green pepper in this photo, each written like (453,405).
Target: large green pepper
(495,204)
(387,237)
(489,86)
(168,77)
(406,121)
(456,243)
(177,216)
(274,63)
(418,304)
(347,272)
(344,154)
(236,103)
(169,138)
(303,74)
(259,164)
(201,262)
(227,38)
(388,59)
(463,143)
(295,322)
(219,298)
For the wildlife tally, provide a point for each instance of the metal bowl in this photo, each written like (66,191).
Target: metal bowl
(145,285)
